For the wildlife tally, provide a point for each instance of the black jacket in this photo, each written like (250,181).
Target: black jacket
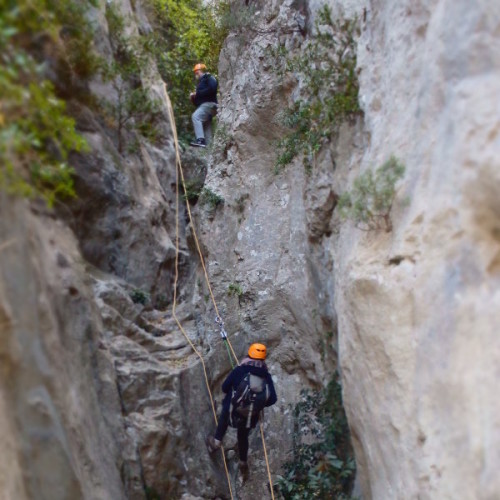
(206,90)
(237,375)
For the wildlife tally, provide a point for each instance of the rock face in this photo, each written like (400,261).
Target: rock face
(102,397)
(415,307)
(94,385)
(418,307)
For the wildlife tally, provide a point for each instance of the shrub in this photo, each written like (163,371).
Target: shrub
(151,493)
(236,290)
(327,68)
(238,18)
(36,134)
(322,464)
(222,141)
(241,201)
(370,201)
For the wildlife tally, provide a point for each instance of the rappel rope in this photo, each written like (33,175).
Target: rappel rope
(174,305)
(179,175)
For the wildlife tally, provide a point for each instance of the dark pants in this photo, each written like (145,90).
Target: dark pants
(243,433)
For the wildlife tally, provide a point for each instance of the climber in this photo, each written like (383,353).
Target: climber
(249,388)
(205,100)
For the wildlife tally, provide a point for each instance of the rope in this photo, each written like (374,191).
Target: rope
(174,306)
(232,355)
(265,457)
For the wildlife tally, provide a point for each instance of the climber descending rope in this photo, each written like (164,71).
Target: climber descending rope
(232,355)
(249,389)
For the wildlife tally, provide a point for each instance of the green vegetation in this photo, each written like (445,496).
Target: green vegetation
(55,38)
(234,289)
(161,302)
(193,189)
(133,103)
(139,296)
(370,200)
(324,344)
(326,67)
(322,465)
(36,133)
(213,200)
(186,32)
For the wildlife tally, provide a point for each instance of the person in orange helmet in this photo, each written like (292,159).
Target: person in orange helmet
(249,389)
(205,100)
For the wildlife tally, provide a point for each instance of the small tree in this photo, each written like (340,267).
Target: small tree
(370,201)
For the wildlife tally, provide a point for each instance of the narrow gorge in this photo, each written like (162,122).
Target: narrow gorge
(348,214)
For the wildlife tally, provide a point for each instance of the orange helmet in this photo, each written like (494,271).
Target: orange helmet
(257,351)
(199,67)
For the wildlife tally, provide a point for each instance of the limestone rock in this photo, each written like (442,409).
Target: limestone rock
(102,397)
(417,308)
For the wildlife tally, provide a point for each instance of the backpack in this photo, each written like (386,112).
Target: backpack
(249,399)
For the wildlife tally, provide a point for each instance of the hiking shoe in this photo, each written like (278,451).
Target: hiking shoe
(244,471)
(212,444)
(199,143)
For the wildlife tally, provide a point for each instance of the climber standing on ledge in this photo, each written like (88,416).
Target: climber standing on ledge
(205,100)
(249,389)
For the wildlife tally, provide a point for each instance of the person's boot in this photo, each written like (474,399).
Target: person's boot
(244,470)
(199,143)
(212,444)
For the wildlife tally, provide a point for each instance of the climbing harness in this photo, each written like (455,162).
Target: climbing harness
(179,174)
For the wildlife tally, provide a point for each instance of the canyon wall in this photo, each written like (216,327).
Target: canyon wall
(101,396)
(94,378)
(416,307)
